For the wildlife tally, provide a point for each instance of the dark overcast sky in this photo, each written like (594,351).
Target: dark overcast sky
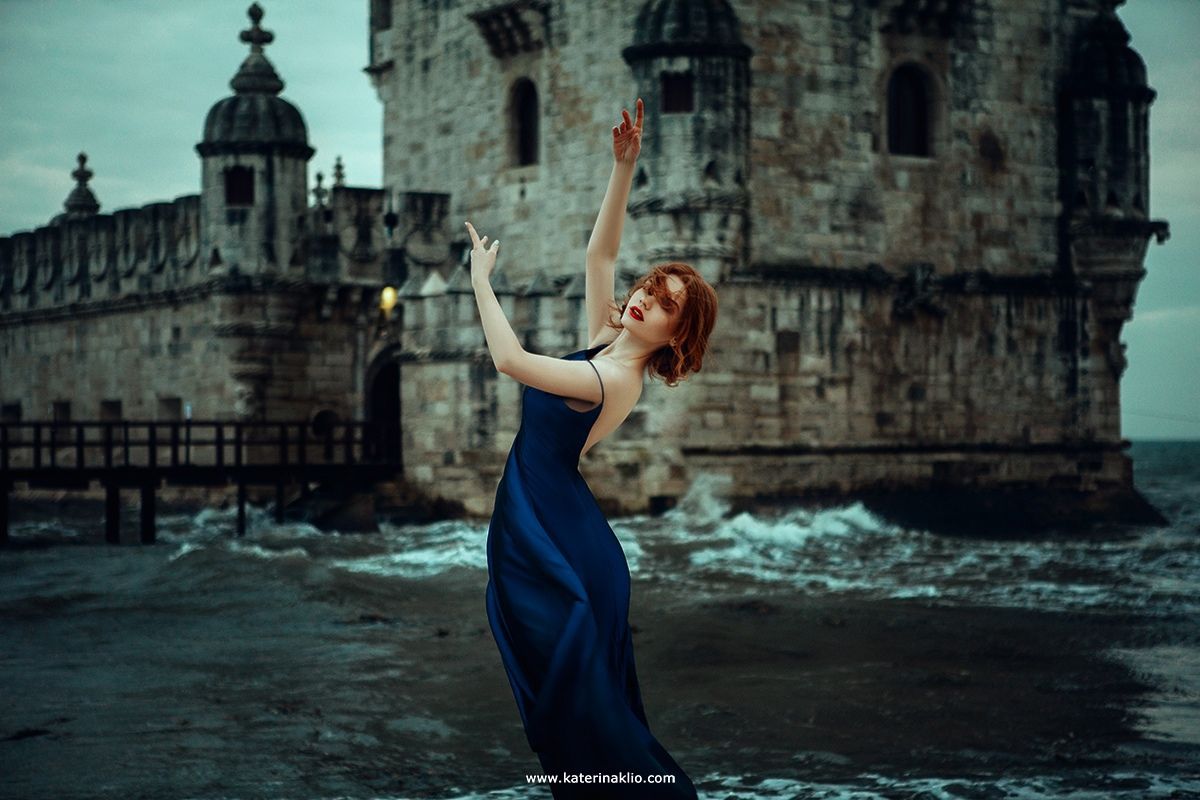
(129,83)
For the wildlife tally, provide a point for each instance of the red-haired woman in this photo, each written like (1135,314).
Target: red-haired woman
(558,584)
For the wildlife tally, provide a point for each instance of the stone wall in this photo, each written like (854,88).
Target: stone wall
(820,386)
(825,185)
(85,359)
(825,192)
(235,349)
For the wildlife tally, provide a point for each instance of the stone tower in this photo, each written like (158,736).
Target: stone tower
(1104,163)
(690,192)
(926,222)
(239,303)
(254,183)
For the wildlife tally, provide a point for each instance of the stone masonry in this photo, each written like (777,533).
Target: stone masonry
(926,221)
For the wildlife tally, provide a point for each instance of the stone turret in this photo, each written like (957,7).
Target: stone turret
(254,176)
(692,73)
(1107,103)
(1104,165)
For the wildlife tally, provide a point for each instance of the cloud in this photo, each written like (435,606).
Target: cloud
(1168,316)
(21,167)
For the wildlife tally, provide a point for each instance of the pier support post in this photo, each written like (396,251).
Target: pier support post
(148,513)
(112,514)
(279,501)
(4,513)
(241,515)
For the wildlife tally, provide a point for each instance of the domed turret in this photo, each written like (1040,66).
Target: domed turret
(255,179)
(1104,165)
(1106,121)
(1104,62)
(692,71)
(684,27)
(255,115)
(255,118)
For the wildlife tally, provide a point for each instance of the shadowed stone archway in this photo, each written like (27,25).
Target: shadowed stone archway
(382,398)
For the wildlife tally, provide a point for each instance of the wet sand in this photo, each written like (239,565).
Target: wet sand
(822,689)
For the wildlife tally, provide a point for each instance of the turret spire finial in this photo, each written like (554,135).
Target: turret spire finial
(82,174)
(320,193)
(256,36)
(81,202)
(256,74)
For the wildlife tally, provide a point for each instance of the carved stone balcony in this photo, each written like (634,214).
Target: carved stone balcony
(512,28)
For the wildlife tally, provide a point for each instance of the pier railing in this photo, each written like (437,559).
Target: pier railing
(146,454)
(90,445)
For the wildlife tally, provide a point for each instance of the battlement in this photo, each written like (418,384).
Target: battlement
(103,256)
(164,245)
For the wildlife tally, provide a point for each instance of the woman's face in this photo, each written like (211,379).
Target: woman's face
(653,318)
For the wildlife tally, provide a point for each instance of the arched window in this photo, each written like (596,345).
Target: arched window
(908,111)
(239,186)
(525,121)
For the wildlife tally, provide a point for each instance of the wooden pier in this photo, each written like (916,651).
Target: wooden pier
(144,455)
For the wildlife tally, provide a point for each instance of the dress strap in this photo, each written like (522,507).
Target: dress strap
(599,379)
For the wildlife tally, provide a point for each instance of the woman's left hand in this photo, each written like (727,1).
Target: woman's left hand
(627,137)
(483,258)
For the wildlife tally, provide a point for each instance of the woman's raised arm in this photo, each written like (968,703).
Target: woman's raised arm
(554,375)
(605,240)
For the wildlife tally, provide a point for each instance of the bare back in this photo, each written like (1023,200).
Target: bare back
(620,396)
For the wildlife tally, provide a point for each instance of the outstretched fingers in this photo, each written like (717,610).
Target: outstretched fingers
(481,243)
(475,240)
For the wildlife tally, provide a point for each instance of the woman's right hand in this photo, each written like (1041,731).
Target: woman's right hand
(483,258)
(627,137)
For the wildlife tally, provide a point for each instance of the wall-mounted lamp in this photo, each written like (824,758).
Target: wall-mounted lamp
(387,300)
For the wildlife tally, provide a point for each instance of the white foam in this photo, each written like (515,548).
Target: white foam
(872,786)
(701,548)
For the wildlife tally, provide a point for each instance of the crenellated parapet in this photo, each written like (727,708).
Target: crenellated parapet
(343,238)
(102,257)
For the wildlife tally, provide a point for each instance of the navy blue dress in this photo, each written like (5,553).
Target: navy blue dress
(558,604)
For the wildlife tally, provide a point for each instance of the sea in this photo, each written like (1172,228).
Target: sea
(297,663)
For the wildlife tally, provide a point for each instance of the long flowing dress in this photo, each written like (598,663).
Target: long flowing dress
(558,605)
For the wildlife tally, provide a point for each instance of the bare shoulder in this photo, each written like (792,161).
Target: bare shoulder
(621,384)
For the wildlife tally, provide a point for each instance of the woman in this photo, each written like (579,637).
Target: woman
(558,584)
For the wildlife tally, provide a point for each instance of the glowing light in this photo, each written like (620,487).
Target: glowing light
(387,299)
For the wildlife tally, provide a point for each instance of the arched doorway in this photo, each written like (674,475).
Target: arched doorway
(383,406)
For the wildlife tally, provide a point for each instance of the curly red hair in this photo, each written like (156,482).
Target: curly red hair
(692,329)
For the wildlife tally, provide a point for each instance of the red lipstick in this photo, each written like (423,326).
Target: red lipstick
(636,313)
